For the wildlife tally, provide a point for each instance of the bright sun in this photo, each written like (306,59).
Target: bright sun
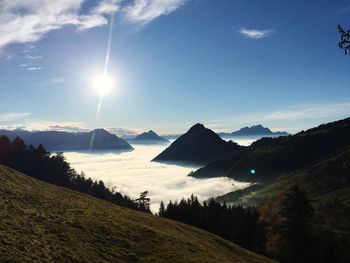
(103,84)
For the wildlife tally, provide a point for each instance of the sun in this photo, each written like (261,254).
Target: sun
(103,84)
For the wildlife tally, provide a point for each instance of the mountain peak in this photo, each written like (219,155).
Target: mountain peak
(150,136)
(150,132)
(197,126)
(256,130)
(198,145)
(100,131)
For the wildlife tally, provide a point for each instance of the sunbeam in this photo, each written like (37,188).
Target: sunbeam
(103,83)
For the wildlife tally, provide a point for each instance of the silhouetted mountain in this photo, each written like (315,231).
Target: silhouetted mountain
(256,130)
(98,139)
(149,137)
(272,157)
(199,145)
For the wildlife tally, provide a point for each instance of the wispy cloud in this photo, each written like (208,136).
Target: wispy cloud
(34,68)
(28,48)
(51,82)
(309,112)
(5,56)
(144,11)
(67,128)
(256,33)
(28,56)
(42,125)
(12,116)
(123,131)
(24,21)
(27,21)
(55,81)
(106,7)
(58,80)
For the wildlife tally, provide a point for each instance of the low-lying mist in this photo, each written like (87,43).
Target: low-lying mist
(133,172)
(243,140)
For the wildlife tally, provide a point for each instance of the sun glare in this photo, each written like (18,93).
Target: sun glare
(103,84)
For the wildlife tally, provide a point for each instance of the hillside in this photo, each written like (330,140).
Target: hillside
(328,176)
(199,145)
(40,222)
(98,139)
(272,157)
(149,137)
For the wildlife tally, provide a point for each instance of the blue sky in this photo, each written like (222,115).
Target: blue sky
(224,63)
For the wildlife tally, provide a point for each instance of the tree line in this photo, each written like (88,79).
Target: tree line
(234,223)
(53,168)
(288,228)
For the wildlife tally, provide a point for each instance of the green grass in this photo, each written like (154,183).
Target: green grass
(40,222)
(333,210)
(325,177)
(342,195)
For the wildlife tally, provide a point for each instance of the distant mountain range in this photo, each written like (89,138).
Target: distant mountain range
(270,158)
(149,137)
(198,145)
(98,139)
(255,130)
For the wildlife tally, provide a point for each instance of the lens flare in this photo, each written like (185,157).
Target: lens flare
(102,83)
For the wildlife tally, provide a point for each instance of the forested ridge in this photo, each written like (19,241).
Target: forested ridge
(289,228)
(53,168)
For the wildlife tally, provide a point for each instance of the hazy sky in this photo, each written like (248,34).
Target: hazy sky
(225,63)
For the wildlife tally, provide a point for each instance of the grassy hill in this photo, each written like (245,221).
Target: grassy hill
(321,179)
(40,222)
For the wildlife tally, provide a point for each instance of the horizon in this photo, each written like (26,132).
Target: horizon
(124,131)
(227,65)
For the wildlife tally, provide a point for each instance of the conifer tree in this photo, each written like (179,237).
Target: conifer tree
(344,39)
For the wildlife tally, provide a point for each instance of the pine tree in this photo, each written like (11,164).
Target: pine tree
(295,228)
(143,202)
(161,209)
(344,39)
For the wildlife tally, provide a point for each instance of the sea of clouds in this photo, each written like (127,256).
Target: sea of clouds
(133,172)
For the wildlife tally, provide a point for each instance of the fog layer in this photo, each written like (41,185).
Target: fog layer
(133,172)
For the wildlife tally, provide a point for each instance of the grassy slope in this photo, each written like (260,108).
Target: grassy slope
(334,210)
(318,180)
(42,222)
